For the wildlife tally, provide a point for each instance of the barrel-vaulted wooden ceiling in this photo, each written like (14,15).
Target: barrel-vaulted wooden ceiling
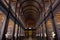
(29,10)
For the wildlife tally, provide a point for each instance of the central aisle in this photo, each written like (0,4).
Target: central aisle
(30,38)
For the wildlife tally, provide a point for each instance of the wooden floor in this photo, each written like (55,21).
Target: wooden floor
(30,38)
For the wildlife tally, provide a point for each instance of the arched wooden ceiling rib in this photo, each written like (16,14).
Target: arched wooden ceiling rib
(28,7)
(30,11)
(33,13)
(30,16)
(35,8)
(31,5)
(31,0)
(35,4)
